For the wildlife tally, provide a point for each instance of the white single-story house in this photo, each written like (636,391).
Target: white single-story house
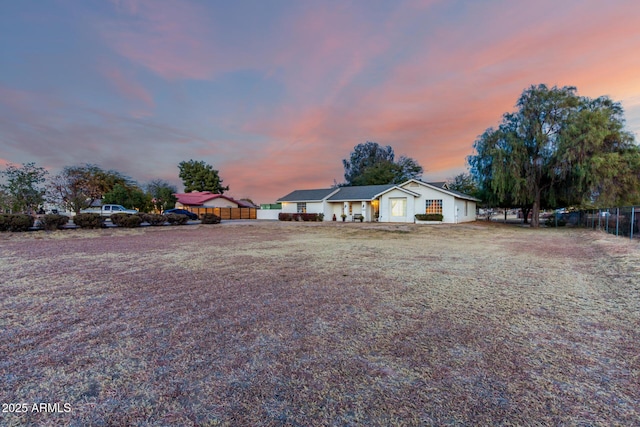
(384,203)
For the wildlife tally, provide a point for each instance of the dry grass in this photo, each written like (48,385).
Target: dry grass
(303,324)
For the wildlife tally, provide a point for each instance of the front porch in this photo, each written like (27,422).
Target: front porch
(369,210)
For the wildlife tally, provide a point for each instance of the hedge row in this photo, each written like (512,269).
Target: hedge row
(283,216)
(22,222)
(429,217)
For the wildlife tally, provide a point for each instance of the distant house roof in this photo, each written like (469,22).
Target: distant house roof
(307,195)
(197,198)
(361,192)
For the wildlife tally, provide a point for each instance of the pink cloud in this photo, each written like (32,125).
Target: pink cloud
(167,37)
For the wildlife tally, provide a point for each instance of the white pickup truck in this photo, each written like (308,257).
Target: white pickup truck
(108,210)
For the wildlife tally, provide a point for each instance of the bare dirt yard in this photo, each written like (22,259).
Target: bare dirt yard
(319,324)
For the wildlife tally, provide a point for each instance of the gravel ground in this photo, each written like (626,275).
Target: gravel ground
(272,323)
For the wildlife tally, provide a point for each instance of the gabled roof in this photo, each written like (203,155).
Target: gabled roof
(441,184)
(197,198)
(444,189)
(396,187)
(365,192)
(361,192)
(317,195)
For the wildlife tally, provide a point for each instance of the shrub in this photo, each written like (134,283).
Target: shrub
(126,220)
(89,220)
(210,218)
(177,219)
(16,222)
(300,216)
(154,219)
(53,221)
(118,219)
(429,217)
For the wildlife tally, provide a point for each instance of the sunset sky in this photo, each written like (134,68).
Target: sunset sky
(275,93)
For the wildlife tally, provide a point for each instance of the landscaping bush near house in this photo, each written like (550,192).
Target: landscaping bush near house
(210,218)
(53,222)
(89,220)
(300,216)
(16,222)
(154,219)
(177,219)
(429,217)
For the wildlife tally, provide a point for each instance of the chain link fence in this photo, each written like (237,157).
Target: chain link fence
(624,222)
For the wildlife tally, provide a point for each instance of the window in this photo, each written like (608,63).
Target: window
(466,208)
(434,207)
(302,207)
(398,207)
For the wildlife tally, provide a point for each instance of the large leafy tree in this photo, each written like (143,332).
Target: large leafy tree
(200,176)
(131,197)
(23,190)
(78,187)
(556,148)
(162,194)
(371,164)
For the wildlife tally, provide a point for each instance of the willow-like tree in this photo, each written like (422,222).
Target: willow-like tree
(558,148)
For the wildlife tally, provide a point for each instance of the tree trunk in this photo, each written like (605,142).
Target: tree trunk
(535,211)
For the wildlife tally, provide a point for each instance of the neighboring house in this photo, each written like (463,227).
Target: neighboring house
(384,203)
(207,199)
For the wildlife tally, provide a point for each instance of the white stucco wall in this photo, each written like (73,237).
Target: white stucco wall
(452,207)
(385,207)
(312,207)
(219,203)
(470,210)
(267,213)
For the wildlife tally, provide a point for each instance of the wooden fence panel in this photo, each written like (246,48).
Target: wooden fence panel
(226,213)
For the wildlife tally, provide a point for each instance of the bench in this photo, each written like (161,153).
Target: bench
(358,217)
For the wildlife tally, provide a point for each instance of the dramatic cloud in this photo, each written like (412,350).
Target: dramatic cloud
(275,94)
